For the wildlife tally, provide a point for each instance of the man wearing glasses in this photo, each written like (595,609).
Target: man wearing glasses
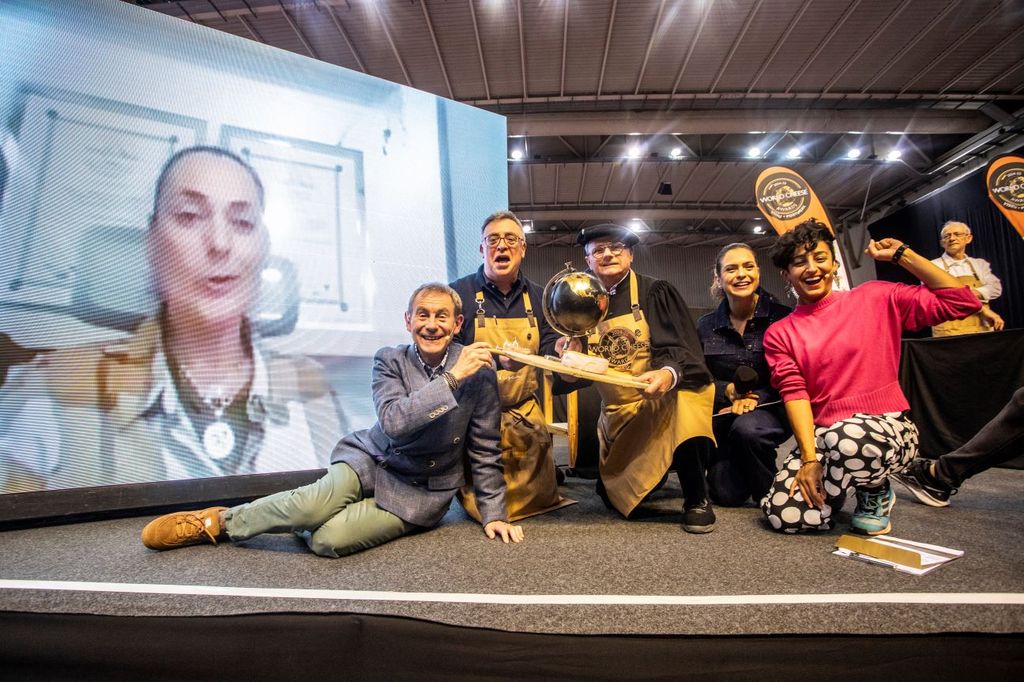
(503,309)
(650,334)
(975,273)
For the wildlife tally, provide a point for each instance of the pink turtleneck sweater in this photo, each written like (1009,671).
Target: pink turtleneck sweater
(843,352)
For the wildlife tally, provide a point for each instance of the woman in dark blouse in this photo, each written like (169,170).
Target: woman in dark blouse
(732,336)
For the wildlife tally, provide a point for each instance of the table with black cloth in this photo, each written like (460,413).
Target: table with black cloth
(956,384)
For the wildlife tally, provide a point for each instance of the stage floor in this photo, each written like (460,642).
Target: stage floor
(581,570)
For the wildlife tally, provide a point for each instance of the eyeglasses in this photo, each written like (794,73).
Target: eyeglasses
(615,249)
(959,235)
(512,240)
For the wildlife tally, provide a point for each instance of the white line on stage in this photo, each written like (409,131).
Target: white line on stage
(995,598)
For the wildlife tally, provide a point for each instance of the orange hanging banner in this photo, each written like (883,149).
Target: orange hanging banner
(1004,179)
(787,200)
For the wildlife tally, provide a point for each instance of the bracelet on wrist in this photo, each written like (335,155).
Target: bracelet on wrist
(450,379)
(808,461)
(898,253)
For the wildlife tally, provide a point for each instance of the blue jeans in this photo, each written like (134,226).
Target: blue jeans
(744,464)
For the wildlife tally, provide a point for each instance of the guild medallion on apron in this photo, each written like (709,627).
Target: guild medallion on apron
(638,437)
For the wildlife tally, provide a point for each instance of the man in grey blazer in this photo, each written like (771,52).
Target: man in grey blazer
(437,406)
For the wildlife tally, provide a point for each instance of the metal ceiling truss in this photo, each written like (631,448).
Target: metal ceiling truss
(692,182)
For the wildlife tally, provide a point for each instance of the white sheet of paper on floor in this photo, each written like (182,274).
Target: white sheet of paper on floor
(908,556)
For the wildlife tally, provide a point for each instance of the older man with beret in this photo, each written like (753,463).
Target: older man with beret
(649,333)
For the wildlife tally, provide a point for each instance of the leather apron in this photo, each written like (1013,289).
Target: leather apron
(530,485)
(638,437)
(973,323)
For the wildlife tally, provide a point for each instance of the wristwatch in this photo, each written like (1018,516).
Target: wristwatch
(898,253)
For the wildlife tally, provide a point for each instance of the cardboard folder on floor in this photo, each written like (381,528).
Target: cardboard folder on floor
(907,556)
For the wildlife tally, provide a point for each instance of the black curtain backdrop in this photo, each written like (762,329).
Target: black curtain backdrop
(995,240)
(956,384)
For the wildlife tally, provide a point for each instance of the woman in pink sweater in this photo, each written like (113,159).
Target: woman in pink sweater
(835,361)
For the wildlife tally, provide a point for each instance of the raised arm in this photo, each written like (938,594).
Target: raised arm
(941,298)
(920,267)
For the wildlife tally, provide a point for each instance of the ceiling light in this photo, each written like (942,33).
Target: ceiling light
(634,152)
(754,152)
(517,154)
(853,153)
(527,226)
(676,153)
(893,155)
(794,152)
(637,224)
(758,229)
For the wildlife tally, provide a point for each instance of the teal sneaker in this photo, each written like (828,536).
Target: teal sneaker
(871,517)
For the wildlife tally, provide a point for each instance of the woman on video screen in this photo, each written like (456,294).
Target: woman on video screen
(189,394)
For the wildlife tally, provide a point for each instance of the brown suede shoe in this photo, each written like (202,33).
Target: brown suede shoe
(181,529)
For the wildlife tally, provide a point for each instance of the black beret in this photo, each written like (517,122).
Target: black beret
(608,231)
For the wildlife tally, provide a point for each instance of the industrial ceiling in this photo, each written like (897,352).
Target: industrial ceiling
(665,111)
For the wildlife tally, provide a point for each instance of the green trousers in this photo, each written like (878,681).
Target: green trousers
(330,514)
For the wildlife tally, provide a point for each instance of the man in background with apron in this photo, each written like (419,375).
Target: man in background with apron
(975,273)
(503,309)
(650,334)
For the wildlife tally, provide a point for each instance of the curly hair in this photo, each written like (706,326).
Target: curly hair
(807,234)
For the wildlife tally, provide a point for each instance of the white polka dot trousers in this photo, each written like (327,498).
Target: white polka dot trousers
(861,451)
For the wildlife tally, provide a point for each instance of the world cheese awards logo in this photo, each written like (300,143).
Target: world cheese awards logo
(784,196)
(619,346)
(1007,186)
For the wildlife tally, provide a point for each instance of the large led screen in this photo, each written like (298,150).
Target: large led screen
(204,240)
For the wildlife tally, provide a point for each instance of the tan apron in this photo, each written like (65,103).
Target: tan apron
(638,437)
(973,323)
(530,485)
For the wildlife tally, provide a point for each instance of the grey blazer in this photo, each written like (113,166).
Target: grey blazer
(414,459)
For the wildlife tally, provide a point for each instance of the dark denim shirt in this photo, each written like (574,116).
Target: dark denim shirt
(500,305)
(725,350)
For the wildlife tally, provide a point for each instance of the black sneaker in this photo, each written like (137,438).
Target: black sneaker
(699,516)
(917,478)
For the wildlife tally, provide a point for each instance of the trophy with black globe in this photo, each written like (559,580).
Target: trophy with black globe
(574,303)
